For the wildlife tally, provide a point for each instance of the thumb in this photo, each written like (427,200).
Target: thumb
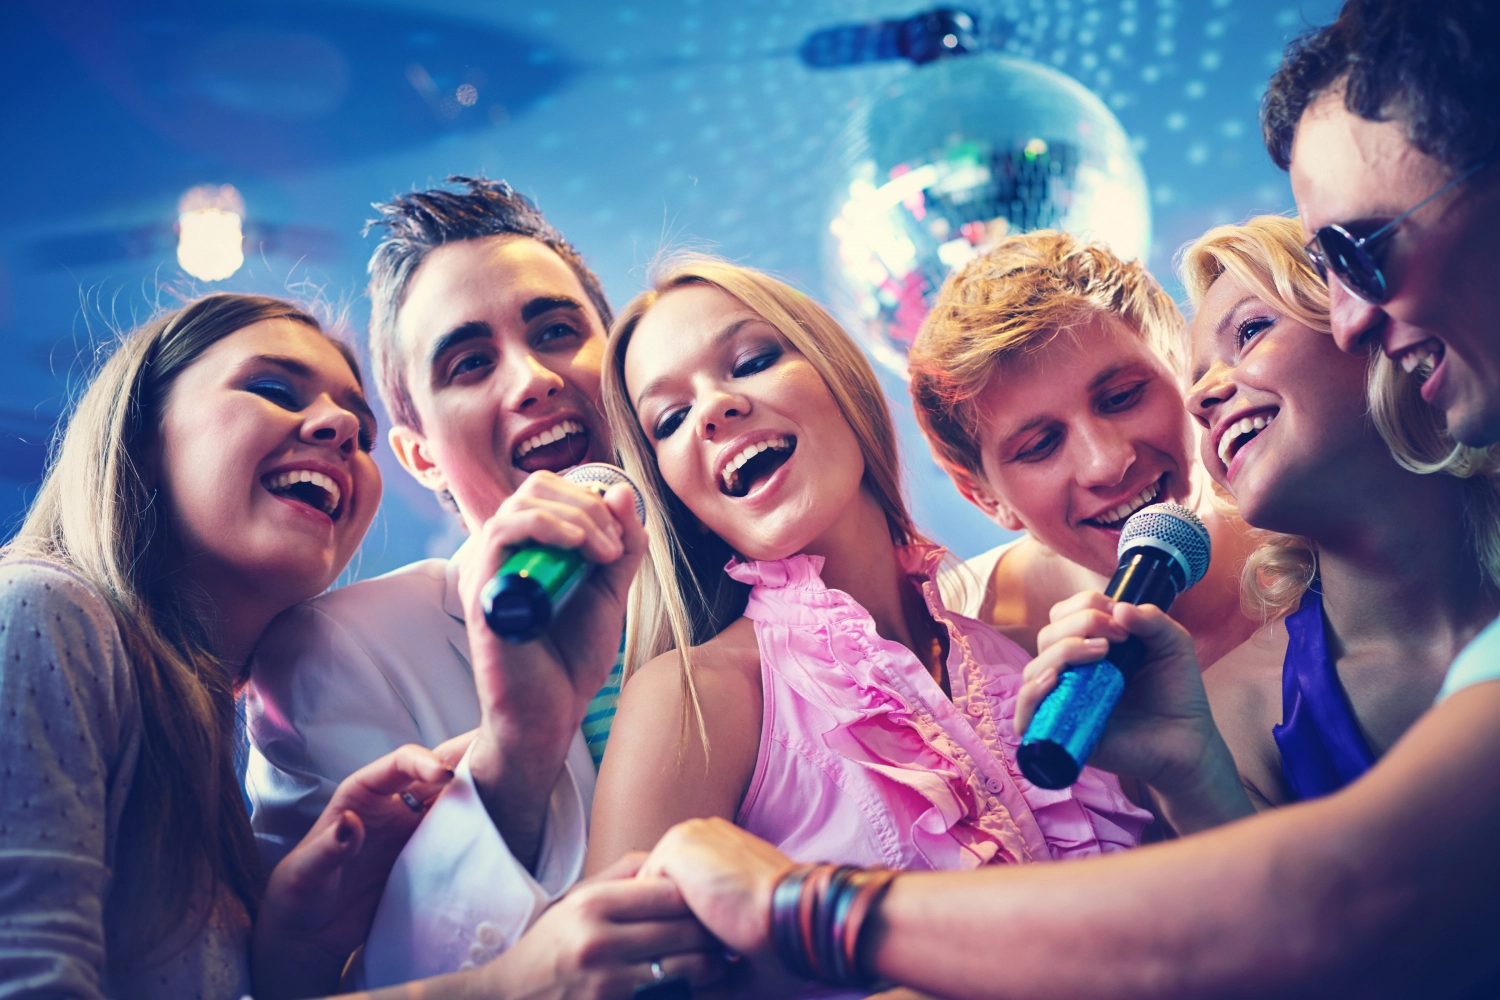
(315,863)
(621,500)
(1162,635)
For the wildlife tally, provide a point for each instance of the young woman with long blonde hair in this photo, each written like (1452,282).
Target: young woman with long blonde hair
(1366,601)
(790,664)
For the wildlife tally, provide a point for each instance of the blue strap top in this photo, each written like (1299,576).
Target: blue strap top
(1322,747)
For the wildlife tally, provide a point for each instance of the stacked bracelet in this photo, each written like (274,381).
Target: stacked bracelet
(817,915)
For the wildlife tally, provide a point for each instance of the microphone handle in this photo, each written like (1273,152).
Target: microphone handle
(520,600)
(1069,721)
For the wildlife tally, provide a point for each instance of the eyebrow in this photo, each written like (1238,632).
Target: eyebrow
(1106,375)
(727,333)
(546,303)
(352,399)
(474,329)
(1094,383)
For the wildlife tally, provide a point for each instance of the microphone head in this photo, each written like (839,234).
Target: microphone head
(1173,529)
(603,475)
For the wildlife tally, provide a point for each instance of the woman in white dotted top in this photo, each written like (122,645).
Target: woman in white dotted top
(216,472)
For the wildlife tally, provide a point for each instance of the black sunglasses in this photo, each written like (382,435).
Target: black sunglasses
(1352,261)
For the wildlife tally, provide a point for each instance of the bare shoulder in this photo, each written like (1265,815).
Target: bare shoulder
(1026,584)
(724,666)
(667,762)
(1244,691)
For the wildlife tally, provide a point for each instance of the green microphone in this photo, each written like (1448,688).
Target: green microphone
(537,580)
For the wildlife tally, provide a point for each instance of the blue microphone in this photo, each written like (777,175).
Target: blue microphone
(532,585)
(1164,550)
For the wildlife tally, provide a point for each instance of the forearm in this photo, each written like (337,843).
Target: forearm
(1211,794)
(515,770)
(1380,890)
(1161,921)
(286,967)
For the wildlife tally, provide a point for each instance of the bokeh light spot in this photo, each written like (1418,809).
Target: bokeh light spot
(210,234)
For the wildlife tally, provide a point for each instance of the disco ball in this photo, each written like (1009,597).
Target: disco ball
(950,158)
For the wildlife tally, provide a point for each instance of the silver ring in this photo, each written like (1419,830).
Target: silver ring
(656,972)
(412,802)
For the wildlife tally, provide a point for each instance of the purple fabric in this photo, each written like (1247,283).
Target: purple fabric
(1322,747)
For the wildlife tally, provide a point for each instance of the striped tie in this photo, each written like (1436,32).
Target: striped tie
(601,710)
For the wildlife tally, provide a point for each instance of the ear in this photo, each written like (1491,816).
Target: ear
(980,495)
(415,457)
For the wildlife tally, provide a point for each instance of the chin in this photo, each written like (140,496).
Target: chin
(1474,426)
(768,542)
(302,577)
(1087,552)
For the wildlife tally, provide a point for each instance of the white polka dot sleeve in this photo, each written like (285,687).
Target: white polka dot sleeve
(69,738)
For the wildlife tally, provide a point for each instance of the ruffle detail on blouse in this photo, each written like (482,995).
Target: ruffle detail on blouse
(799,572)
(885,727)
(944,772)
(1092,816)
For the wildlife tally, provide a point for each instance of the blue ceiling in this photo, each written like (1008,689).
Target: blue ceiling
(636,126)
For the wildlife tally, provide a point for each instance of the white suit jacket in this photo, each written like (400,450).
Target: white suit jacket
(352,675)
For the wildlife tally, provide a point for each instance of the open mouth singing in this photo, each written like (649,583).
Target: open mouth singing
(305,486)
(1114,518)
(754,465)
(561,446)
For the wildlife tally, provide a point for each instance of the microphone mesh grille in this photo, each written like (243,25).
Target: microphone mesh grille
(1184,536)
(605,475)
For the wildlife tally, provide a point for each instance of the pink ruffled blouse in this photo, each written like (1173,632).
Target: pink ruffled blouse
(864,761)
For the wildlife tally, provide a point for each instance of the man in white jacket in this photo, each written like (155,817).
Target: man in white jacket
(487,332)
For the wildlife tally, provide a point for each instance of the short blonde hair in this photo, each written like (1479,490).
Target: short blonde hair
(1009,302)
(1265,255)
(682,597)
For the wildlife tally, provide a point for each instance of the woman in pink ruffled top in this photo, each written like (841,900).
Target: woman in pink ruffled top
(827,700)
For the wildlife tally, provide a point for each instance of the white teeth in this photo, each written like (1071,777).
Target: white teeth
(1413,358)
(285,480)
(733,466)
(1238,429)
(551,434)
(1130,506)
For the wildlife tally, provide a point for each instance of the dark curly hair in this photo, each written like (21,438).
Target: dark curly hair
(416,224)
(1433,64)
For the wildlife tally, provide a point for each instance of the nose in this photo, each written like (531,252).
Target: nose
(721,413)
(1105,455)
(1212,390)
(1357,324)
(327,423)
(527,382)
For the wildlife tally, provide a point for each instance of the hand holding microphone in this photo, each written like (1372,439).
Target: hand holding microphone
(556,562)
(537,580)
(1164,549)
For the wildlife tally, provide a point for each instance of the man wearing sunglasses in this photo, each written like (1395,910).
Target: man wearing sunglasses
(1389,123)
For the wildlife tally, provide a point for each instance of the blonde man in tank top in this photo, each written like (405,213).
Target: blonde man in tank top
(1047,380)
